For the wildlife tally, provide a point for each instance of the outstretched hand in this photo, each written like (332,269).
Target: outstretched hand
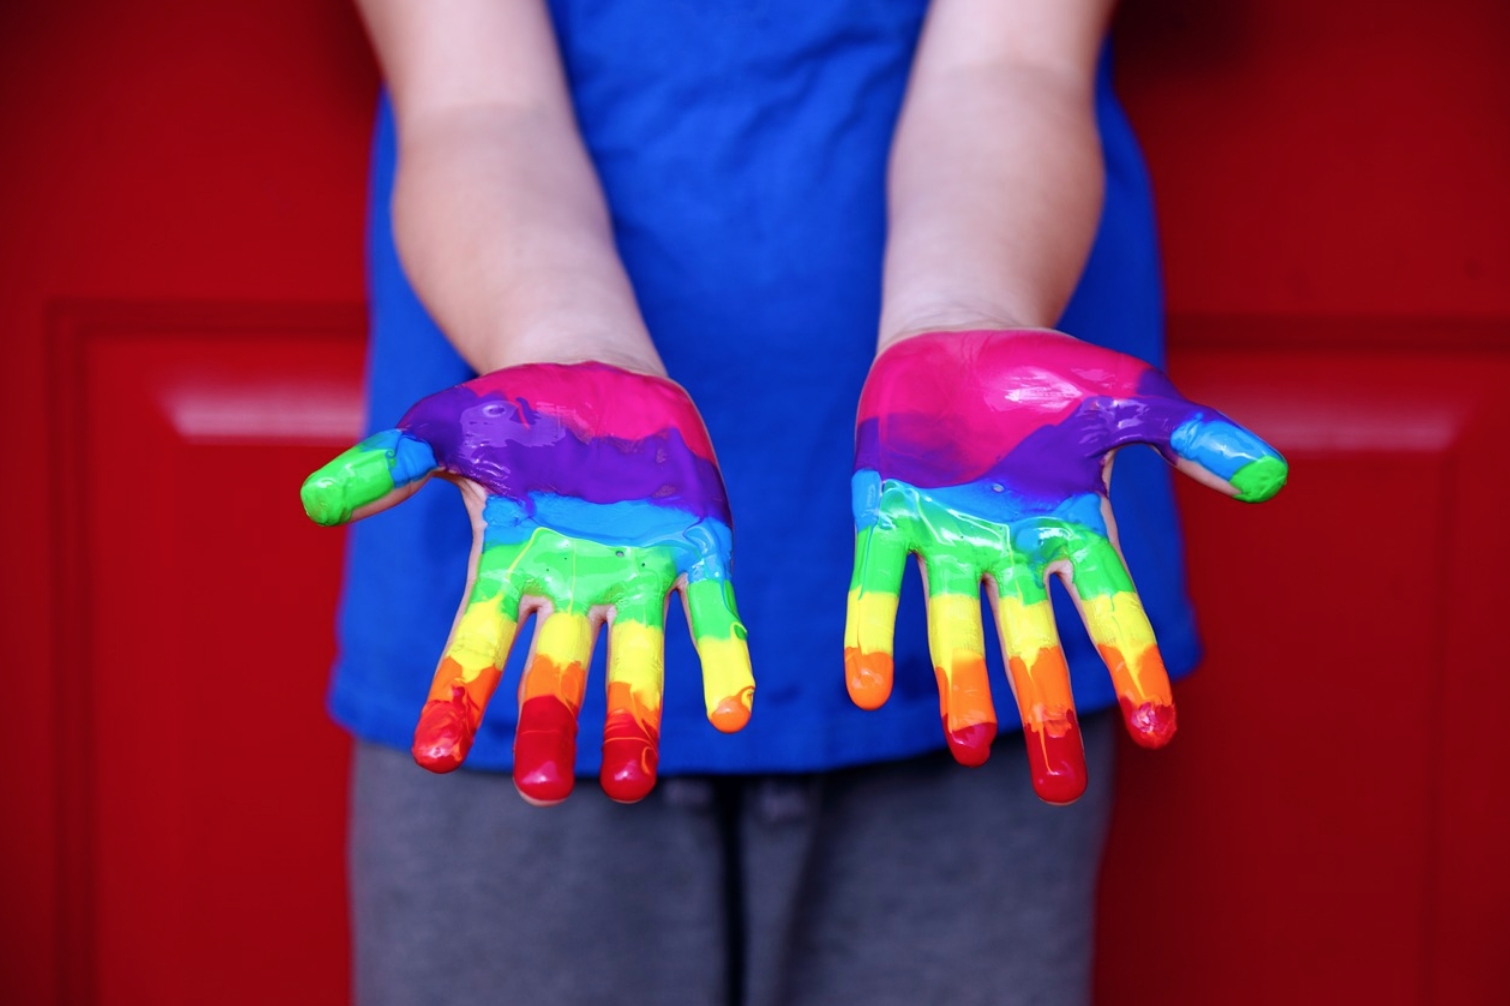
(593,492)
(988,455)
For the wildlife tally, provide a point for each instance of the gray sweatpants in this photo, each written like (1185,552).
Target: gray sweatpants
(911,882)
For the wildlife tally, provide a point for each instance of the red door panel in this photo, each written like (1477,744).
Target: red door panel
(182,202)
(210,784)
(1298,841)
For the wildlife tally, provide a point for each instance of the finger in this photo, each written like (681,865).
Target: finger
(1214,450)
(471,665)
(719,635)
(957,645)
(1114,617)
(636,679)
(550,696)
(871,615)
(1041,684)
(382,470)
(1200,441)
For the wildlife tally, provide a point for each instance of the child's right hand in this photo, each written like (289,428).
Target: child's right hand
(594,492)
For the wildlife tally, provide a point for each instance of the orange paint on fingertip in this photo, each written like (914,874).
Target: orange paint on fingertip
(966,710)
(732,713)
(868,676)
(1046,685)
(1141,679)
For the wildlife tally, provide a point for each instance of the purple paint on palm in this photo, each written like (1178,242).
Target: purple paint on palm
(589,443)
(1035,413)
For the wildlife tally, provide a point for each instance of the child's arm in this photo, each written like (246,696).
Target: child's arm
(996,171)
(593,489)
(984,441)
(499,218)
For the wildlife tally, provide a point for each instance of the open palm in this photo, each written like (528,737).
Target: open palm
(988,455)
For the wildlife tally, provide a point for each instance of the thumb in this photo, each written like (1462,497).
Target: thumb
(382,470)
(1215,450)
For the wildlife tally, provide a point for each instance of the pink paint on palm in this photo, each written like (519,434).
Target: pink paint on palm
(980,395)
(597,400)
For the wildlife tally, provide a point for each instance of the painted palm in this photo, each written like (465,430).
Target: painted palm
(987,455)
(594,493)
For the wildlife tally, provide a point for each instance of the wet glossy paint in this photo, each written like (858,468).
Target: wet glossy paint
(603,495)
(986,455)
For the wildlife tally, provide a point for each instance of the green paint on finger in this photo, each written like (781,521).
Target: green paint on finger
(356,478)
(365,474)
(575,574)
(1260,480)
(880,559)
(711,603)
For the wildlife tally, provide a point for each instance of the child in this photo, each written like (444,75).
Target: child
(590,197)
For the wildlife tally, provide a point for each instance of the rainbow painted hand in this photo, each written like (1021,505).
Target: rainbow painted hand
(594,492)
(987,454)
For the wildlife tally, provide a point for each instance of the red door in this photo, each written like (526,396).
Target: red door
(181,308)
(1330,827)
(181,208)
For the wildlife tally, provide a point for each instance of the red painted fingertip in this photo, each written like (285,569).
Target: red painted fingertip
(971,745)
(1151,724)
(629,757)
(1057,758)
(545,750)
(444,734)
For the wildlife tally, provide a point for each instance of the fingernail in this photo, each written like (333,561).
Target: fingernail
(444,734)
(1057,756)
(970,745)
(1260,480)
(323,500)
(731,714)
(868,676)
(1151,724)
(545,750)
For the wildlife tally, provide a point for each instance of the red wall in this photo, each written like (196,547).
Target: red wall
(181,207)
(181,215)
(1332,191)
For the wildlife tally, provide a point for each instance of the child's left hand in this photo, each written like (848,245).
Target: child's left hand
(988,454)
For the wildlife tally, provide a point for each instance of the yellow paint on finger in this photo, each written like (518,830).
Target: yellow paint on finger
(728,684)
(1120,629)
(869,621)
(565,637)
(482,639)
(954,624)
(636,656)
(1117,620)
(636,669)
(562,648)
(1026,629)
(957,644)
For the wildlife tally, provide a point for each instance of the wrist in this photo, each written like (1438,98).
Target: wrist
(562,333)
(958,323)
(633,352)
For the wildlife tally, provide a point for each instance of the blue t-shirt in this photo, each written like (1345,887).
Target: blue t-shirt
(742,149)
